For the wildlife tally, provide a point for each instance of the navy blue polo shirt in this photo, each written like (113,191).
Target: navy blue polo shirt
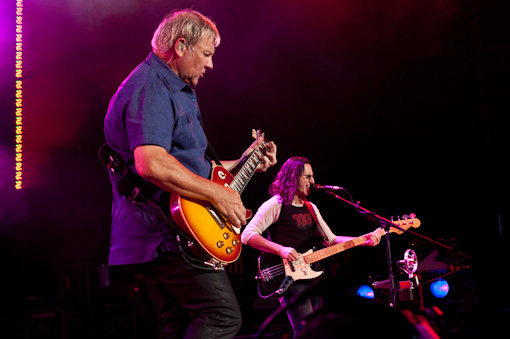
(153,106)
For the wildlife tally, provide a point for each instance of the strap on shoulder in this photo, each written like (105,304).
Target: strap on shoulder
(314,216)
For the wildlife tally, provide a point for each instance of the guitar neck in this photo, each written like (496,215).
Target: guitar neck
(332,250)
(246,172)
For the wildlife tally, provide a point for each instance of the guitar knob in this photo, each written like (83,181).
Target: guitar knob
(226,235)
(230,250)
(220,244)
(235,242)
(405,217)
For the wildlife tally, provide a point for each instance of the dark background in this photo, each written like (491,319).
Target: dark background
(403,103)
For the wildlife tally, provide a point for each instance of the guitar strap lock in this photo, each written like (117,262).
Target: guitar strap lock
(129,184)
(111,160)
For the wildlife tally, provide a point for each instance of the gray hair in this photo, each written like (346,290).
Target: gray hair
(187,24)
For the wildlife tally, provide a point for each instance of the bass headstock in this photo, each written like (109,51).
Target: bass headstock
(405,223)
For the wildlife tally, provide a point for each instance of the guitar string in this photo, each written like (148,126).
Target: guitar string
(318,255)
(274,269)
(244,173)
(328,251)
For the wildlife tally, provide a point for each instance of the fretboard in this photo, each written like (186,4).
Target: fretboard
(332,250)
(246,172)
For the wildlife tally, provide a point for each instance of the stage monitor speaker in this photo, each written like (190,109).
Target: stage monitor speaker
(45,324)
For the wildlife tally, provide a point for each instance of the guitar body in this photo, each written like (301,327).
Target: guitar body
(212,235)
(277,274)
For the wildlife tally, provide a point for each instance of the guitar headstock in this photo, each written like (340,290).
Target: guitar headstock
(263,146)
(406,223)
(257,134)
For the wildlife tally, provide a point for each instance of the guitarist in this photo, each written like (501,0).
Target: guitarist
(154,126)
(289,223)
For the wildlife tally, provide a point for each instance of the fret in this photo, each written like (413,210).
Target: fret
(246,172)
(331,250)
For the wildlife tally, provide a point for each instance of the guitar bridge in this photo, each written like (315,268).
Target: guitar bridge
(264,275)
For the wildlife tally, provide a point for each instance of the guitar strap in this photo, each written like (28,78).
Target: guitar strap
(314,216)
(214,156)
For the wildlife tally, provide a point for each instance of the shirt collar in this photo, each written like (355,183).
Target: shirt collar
(162,68)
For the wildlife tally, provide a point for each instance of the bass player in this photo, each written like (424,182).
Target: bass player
(290,220)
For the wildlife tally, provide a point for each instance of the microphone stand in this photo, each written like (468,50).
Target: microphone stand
(386,225)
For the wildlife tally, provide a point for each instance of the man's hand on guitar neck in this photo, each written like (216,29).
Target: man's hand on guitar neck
(267,158)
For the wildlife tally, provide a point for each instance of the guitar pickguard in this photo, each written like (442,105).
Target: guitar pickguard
(299,269)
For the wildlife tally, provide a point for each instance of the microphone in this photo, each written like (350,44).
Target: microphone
(316,187)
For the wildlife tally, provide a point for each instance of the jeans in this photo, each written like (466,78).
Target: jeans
(306,303)
(191,302)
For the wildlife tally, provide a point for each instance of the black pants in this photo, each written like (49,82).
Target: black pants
(191,302)
(307,303)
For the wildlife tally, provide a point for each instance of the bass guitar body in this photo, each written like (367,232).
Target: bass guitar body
(276,274)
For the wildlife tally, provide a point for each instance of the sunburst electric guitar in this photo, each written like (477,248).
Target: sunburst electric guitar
(212,238)
(275,276)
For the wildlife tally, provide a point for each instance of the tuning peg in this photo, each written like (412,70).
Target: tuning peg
(412,215)
(405,217)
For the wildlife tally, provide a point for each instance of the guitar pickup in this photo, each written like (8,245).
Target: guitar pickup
(216,217)
(222,221)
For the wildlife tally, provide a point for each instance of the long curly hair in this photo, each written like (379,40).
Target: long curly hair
(286,181)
